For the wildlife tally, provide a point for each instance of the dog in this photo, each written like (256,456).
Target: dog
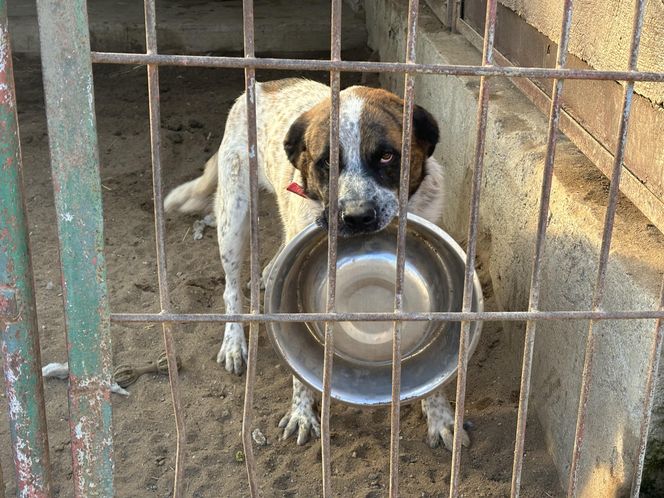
(293,129)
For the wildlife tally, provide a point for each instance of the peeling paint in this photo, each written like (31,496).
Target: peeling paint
(69,97)
(18,325)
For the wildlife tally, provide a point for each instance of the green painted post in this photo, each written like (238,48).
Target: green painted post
(18,319)
(68,90)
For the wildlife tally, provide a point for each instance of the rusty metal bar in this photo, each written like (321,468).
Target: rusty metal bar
(333,226)
(371,67)
(598,297)
(482,118)
(160,230)
(404,182)
(452,14)
(252,153)
(649,396)
(68,86)
(19,334)
(434,316)
(535,283)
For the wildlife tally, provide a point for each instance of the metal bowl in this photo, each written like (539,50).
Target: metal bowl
(366,275)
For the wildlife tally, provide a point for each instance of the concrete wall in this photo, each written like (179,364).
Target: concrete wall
(513,167)
(601,34)
(199,27)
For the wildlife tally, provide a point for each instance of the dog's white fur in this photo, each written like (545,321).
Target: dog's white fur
(227,174)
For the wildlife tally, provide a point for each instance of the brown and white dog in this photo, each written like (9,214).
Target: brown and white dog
(293,147)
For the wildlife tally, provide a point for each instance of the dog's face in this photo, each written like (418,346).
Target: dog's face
(370,132)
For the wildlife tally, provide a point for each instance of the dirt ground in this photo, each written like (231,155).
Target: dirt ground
(194,106)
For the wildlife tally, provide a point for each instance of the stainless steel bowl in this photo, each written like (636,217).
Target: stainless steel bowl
(366,274)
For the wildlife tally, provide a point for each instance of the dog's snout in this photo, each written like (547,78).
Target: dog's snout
(359,215)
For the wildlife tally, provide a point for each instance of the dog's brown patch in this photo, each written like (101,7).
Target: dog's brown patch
(380,126)
(382,120)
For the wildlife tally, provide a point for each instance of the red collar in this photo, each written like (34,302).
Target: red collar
(297,189)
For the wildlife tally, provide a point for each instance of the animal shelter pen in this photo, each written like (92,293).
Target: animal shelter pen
(66,60)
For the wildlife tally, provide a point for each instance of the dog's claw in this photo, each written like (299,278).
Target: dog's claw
(440,422)
(233,352)
(305,424)
(301,415)
(446,434)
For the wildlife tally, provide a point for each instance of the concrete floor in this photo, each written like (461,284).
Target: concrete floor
(199,26)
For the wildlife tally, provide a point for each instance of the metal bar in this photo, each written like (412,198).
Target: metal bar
(372,67)
(531,327)
(2,484)
(436,316)
(404,182)
(586,379)
(333,226)
(482,117)
(252,153)
(68,86)
(649,396)
(452,14)
(160,230)
(19,334)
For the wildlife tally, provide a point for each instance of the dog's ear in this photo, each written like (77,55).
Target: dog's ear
(294,143)
(425,129)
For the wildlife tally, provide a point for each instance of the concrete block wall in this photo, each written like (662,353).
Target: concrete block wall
(199,27)
(515,150)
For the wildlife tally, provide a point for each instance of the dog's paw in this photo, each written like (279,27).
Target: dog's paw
(440,422)
(302,416)
(304,421)
(233,352)
(200,226)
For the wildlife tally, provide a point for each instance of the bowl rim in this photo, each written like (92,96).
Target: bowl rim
(312,229)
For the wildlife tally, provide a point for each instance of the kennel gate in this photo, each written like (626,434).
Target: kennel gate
(67,73)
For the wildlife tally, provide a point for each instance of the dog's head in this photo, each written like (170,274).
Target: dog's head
(370,133)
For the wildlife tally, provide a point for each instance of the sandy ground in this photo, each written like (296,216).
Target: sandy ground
(194,105)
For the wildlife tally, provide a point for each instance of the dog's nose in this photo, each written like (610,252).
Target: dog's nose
(359,215)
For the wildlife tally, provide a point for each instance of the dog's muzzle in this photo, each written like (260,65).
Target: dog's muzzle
(355,218)
(359,216)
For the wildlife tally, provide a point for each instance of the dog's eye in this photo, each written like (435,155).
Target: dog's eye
(386,158)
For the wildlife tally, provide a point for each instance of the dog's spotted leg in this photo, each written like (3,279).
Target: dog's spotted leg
(232,213)
(301,415)
(440,421)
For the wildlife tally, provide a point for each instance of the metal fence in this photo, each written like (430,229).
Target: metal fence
(67,72)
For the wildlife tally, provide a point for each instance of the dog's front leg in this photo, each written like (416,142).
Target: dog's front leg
(301,415)
(232,213)
(440,421)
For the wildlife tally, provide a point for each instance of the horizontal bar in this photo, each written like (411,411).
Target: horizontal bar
(371,67)
(435,316)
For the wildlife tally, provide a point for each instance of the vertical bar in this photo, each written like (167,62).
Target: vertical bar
(531,326)
(68,89)
(649,396)
(328,355)
(404,181)
(482,115)
(452,14)
(598,297)
(2,484)
(19,335)
(160,229)
(250,94)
